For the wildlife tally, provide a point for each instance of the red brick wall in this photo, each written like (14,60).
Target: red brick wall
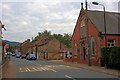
(25,46)
(93,32)
(52,46)
(76,39)
(115,37)
(119,41)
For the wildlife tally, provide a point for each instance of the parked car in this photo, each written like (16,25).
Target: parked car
(13,54)
(10,53)
(31,57)
(23,56)
(18,55)
(28,57)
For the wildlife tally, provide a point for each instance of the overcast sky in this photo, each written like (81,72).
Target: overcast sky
(24,19)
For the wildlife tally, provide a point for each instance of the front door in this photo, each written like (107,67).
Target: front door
(83,52)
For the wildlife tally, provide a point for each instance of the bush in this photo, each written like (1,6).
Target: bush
(110,56)
(105,52)
(115,57)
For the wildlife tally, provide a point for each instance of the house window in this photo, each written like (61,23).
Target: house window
(111,42)
(92,45)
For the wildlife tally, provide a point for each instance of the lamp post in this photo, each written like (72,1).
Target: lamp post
(96,3)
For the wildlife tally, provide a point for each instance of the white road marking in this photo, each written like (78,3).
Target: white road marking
(20,69)
(43,69)
(69,77)
(49,66)
(35,69)
(39,69)
(53,70)
(28,69)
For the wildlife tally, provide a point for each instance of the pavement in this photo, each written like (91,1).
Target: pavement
(110,71)
(3,68)
(10,71)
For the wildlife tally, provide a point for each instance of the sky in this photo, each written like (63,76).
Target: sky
(23,19)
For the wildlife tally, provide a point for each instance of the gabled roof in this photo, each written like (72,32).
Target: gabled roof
(76,25)
(112,20)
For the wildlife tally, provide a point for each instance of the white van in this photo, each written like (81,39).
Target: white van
(31,57)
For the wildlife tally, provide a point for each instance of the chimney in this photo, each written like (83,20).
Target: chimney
(81,5)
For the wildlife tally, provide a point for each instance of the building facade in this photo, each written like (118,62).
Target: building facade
(23,47)
(47,48)
(89,35)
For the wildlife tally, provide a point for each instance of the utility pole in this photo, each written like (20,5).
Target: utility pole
(87,35)
(32,46)
(86,4)
(36,53)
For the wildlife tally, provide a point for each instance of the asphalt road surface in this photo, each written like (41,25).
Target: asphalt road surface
(44,69)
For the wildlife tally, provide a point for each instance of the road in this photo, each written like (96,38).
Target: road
(46,69)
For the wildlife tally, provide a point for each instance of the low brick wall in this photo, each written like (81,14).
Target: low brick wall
(55,56)
(51,56)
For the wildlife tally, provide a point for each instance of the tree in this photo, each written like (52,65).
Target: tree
(40,34)
(65,38)
(11,48)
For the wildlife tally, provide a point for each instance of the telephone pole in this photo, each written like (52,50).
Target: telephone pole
(32,45)
(87,35)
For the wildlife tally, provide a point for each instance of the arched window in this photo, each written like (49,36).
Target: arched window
(92,46)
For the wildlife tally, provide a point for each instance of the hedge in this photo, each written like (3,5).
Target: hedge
(110,56)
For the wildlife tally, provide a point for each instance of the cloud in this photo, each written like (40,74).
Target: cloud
(25,19)
(57,1)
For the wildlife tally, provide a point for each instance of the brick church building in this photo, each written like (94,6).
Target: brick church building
(91,37)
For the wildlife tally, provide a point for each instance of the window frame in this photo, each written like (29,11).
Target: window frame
(111,43)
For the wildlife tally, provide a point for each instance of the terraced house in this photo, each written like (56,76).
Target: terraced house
(25,46)
(89,35)
(47,48)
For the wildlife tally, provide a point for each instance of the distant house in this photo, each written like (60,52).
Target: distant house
(47,48)
(23,47)
(93,36)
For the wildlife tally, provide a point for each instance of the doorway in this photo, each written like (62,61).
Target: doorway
(83,51)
